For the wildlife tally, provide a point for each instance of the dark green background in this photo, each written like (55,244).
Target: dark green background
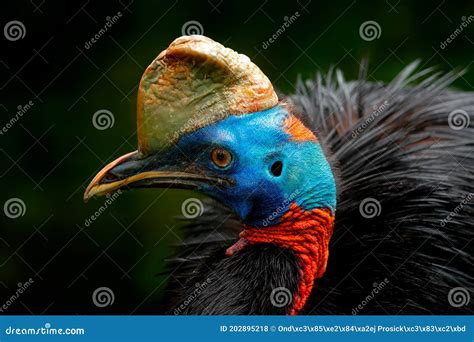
(49,156)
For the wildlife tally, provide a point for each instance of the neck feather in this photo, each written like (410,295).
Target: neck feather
(307,233)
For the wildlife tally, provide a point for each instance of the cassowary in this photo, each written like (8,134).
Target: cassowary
(346,197)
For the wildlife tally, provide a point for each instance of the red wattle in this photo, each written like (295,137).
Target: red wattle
(307,233)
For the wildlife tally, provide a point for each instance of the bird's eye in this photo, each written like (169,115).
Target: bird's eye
(221,157)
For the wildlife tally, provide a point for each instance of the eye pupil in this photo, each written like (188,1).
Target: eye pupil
(277,168)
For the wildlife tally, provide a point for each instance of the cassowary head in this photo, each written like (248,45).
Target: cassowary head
(209,119)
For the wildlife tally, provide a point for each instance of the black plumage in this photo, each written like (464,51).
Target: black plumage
(391,142)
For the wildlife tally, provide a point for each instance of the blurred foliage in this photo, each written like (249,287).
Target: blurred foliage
(51,153)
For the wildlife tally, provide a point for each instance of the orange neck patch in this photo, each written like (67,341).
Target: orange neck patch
(297,130)
(307,233)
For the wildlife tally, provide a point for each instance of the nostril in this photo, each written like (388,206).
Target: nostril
(277,168)
(109,177)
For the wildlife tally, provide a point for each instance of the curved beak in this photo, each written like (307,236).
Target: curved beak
(131,171)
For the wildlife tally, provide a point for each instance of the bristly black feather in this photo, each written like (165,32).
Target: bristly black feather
(390,142)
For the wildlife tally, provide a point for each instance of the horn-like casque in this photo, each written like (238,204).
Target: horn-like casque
(193,83)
